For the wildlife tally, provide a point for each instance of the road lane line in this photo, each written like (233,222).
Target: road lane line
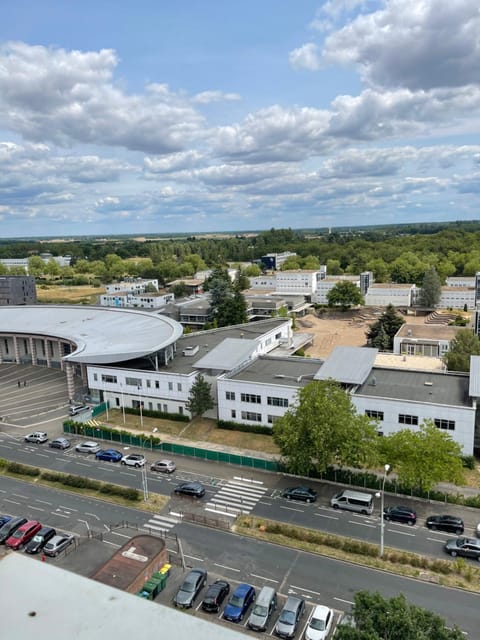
(60,506)
(322,515)
(292,509)
(435,540)
(44,502)
(62,515)
(402,533)
(42,455)
(363,524)
(254,575)
(342,600)
(93,515)
(12,501)
(114,544)
(316,593)
(19,495)
(194,558)
(222,566)
(82,464)
(36,508)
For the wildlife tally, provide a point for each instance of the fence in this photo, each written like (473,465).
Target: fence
(220,456)
(122,437)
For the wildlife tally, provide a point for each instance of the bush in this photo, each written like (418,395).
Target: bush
(469,462)
(245,428)
(123,492)
(22,469)
(180,417)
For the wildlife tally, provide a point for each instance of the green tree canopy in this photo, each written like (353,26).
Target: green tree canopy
(378,618)
(344,294)
(200,398)
(323,428)
(423,458)
(464,345)
(431,289)
(381,333)
(253,271)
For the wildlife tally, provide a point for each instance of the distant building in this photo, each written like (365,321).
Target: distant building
(17,290)
(431,340)
(366,281)
(300,281)
(275,260)
(383,294)
(132,285)
(266,282)
(325,285)
(62,261)
(136,300)
(457,297)
(193,285)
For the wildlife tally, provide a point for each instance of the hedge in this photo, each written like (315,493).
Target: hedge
(22,469)
(150,413)
(246,428)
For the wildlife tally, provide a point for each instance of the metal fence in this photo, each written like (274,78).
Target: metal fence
(220,456)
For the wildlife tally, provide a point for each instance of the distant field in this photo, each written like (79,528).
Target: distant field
(72,295)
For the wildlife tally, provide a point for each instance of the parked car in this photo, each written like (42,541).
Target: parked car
(319,624)
(289,617)
(89,446)
(193,489)
(163,466)
(238,603)
(23,534)
(452,524)
(194,582)
(109,455)
(307,494)
(400,514)
(77,408)
(465,547)
(4,519)
(10,527)
(215,595)
(59,443)
(57,543)
(40,539)
(38,437)
(133,460)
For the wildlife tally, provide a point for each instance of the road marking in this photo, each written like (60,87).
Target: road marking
(106,469)
(402,533)
(6,446)
(342,600)
(44,502)
(322,515)
(117,533)
(114,544)
(36,508)
(247,480)
(254,575)
(83,464)
(435,540)
(291,509)
(125,473)
(223,513)
(12,501)
(62,515)
(194,558)
(269,504)
(316,593)
(42,455)
(60,506)
(222,566)
(19,495)
(363,524)
(85,523)
(93,515)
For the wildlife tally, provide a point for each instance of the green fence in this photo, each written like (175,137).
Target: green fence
(97,433)
(100,408)
(220,456)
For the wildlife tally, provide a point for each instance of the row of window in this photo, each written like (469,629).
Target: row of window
(153,407)
(252,416)
(255,399)
(135,382)
(404,418)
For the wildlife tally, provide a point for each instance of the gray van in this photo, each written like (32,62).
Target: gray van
(353,501)
(263,608)
(289,617)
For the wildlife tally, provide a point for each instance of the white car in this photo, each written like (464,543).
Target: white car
(319,623)
(38,437)
(133,460)
(88,447)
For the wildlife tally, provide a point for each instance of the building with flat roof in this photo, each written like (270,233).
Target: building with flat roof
(17,290)
(432,340)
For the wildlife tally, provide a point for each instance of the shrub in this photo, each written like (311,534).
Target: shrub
(123,492)
(150,413)
(22,469)
(245,428)
(469,462)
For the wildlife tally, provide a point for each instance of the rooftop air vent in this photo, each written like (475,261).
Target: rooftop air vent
(374,382)
(190,351)
(428,384)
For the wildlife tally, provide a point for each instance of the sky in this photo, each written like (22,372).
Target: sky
(148,117)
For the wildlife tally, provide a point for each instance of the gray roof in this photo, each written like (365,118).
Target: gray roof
(284,372)
(230,353)
(428,331)
(417,386)
(350,365)
(102,335)
(474,388)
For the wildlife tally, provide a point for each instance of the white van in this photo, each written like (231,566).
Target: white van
(353,501)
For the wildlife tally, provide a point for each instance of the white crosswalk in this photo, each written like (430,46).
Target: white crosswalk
(160,523)
(236,497)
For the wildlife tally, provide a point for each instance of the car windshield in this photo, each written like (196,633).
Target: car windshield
(259,610)
(18,534)
(37,538)
(461,541)
(188,585)
(236,601)
(318,624)
(287,617)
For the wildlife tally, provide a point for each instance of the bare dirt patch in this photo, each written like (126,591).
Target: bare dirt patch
(333,330)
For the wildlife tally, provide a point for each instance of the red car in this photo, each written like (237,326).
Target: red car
(23,534)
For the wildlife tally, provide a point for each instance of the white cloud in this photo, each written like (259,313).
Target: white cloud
(206,97)
(308,56)
(173,162)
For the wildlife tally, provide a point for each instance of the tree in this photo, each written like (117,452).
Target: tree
(232,310)
(464,345)
(386,327)
(378,618)
(36,266)
(323,428)
(344,294)
(200,398)
(253,271)
(423,458)
(431,289)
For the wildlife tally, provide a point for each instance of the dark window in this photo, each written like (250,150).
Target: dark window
(230,395)
(371,413)
(277,402)
(448,425)
(404,418)
(250,397)
(107,378)
(249,415)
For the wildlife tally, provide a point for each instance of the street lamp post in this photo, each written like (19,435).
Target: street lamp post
(140,405)
(382,503)
(105,399)
(123,402)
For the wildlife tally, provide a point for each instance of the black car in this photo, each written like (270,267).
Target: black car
(307,494)
(452,524)
(10,527)
(194,581)
(4,519)
(400,514)
(193,489)
(464,547)
(215,595)
(39,540)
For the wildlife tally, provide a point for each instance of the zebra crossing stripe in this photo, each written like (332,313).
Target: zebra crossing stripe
(235,498)
(160,523)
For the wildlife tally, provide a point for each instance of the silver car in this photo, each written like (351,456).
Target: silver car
(89,446)
(163,466)
(38,437)
(57,543)
(289,617)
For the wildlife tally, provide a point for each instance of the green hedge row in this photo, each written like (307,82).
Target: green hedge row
(246,428)
(150,413)
(69,480)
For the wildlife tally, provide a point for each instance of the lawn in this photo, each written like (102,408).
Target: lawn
(59,294)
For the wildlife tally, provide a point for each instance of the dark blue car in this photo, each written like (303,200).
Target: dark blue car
(239,601)
(4,519)
(110,455)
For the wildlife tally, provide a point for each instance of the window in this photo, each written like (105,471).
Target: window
(170,386)
(111,379)
(250,397)
(95,377)
(180,410)
(371,413)
(148,384)
(179,386)
(278,336)
(133,382)
(234,413)
(249,415)
(448,425)
(150,406)
(230,395)
(277,402)
(404,418)
(165,408)
(157,384)
(271,419)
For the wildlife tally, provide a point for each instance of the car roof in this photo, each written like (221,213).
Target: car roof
(194,483)
(44,530)
(292,601)
(60,440)
(242,589)
(320,611)
(88,442)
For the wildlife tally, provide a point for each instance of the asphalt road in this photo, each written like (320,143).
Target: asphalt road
(317,579)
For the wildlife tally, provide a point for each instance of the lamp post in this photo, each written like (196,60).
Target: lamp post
(140,405)
(382,503)
(123,402)
(105,399)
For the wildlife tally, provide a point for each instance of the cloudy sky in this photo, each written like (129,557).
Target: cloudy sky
(166,116)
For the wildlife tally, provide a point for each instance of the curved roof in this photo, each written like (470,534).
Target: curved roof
(102,334)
